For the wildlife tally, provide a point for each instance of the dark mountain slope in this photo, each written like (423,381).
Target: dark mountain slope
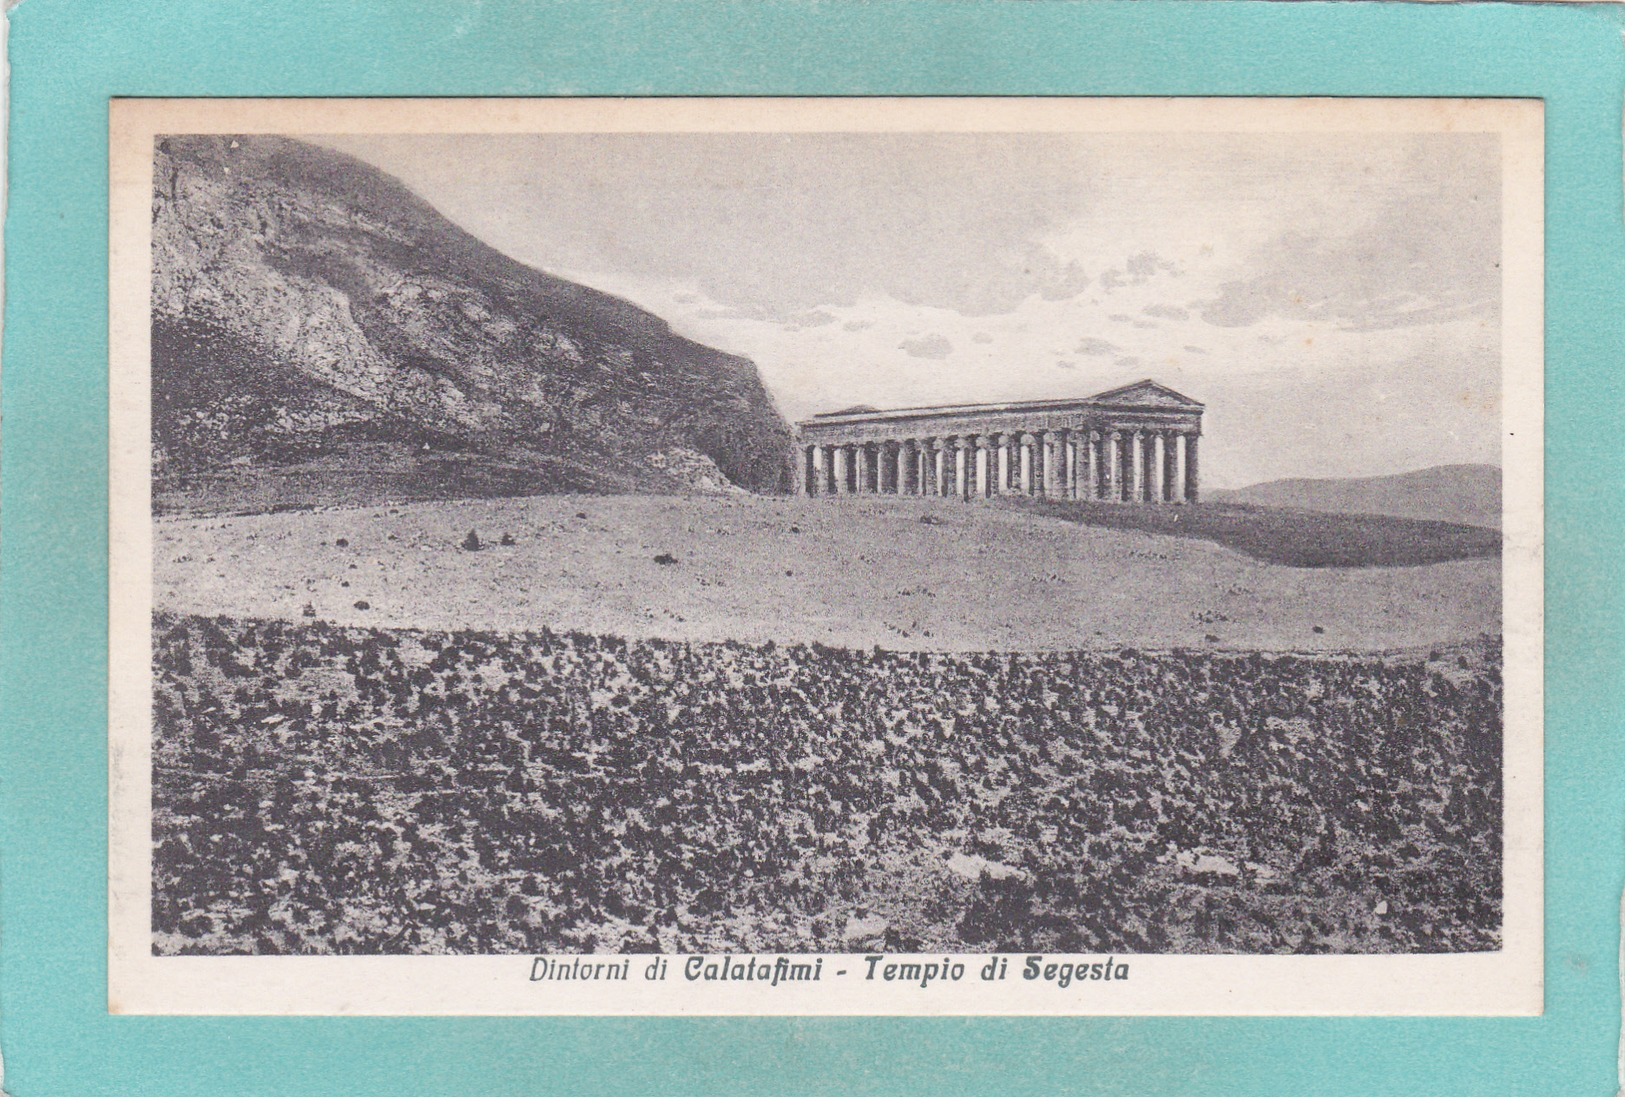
(1463,494)
(322,335)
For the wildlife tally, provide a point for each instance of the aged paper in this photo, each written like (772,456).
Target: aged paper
(827,556)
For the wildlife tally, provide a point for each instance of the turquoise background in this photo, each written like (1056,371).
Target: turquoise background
(68,58)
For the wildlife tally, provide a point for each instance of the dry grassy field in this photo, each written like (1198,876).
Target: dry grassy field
(898,574)
(746,723)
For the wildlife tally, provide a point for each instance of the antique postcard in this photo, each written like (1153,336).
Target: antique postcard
(826,556)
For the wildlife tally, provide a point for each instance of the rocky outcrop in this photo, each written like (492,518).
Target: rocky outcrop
(310,313)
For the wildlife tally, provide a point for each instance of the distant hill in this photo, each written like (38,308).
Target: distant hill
(1463,494)
(321,335)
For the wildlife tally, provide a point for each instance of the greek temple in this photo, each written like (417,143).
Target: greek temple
(1135,443)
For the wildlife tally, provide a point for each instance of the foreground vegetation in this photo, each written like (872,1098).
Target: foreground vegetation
(320,789)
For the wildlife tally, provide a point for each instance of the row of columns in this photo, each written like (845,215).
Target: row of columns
(1136,465)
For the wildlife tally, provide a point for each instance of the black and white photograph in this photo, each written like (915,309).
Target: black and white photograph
(705,550)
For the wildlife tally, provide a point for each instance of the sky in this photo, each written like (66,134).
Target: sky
(1334,300)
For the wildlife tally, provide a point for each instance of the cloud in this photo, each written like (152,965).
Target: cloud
(1009,276)
(1171,313)
(1056,281)
(1423,253)
(773,224)
(1066,365)
(811,319)
(1137,269)
(1360,240)
(931,346)
(1418,315)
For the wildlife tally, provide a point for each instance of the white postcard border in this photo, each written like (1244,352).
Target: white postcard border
(1507,982)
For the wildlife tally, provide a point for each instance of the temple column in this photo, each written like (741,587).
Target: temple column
(920,467)
(1004,462)
(1190,467)
(1051,478)
(839,463)
(939,455)
(820,477)
(983,489)
(1136,447)
(865,468)
(1170,467)
(961,468)
(1069,464)
(1157,459)
(1179,442)
(1114,466)
(1094,466)
(1026,444)
(1148,445)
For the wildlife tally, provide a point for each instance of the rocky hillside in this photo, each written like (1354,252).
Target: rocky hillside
(1467,493)
(320,335)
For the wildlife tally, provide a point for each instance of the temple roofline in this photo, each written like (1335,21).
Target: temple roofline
(1102,400)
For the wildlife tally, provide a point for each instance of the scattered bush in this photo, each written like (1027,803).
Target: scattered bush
(320,789)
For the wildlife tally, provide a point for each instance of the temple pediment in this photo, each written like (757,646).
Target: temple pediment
(1147,392)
